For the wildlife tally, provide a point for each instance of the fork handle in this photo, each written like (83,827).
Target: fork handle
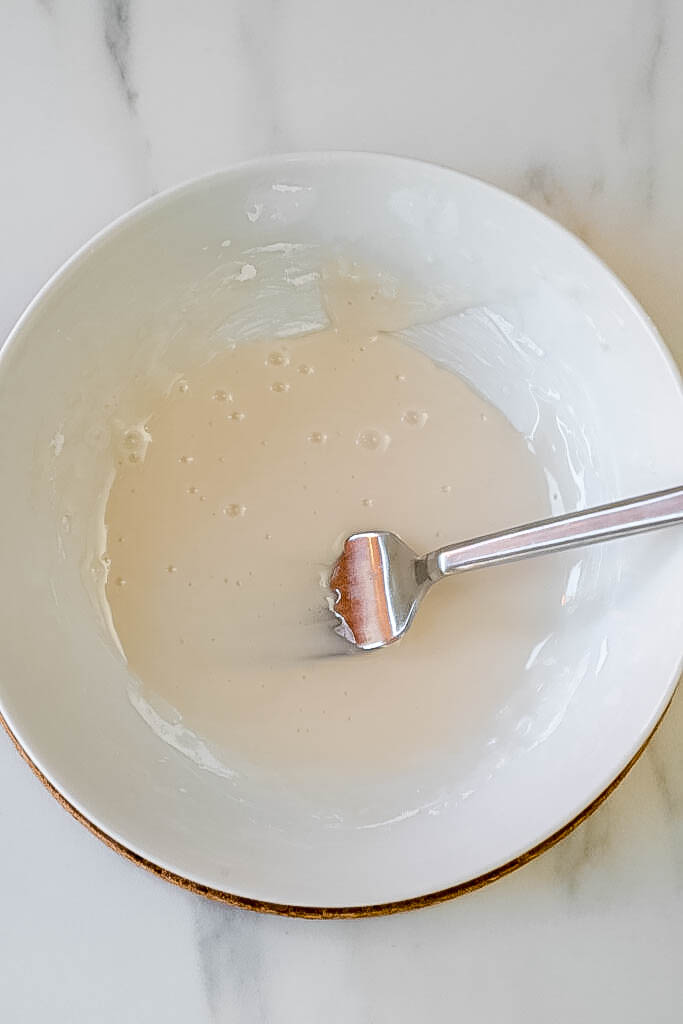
(589,526)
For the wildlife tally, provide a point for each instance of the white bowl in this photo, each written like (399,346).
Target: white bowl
(573,362)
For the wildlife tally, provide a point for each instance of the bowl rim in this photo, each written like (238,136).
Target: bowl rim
(630,757)
(319,913)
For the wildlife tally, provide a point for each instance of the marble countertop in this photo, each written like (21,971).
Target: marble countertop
(576,108)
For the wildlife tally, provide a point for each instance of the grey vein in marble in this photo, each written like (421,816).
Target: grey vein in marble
(587,850)
(638,128)
(542,186)
(117,39)
(229,948)
(667,770)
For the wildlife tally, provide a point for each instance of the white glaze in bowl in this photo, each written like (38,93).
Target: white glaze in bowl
(537,325)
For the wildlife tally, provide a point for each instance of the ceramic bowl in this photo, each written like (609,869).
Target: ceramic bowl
(539,327)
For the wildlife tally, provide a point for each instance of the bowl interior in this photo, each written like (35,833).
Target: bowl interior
(532,321)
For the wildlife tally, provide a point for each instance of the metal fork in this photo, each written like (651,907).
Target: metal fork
(379,580)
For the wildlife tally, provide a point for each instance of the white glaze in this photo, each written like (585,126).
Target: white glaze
(222,615)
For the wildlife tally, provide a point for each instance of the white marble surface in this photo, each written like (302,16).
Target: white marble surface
(576,107)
